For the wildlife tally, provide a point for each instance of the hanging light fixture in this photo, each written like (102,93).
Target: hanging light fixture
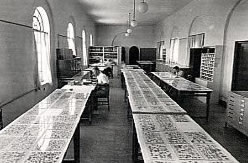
(134,23)
(127,34)
(129,30)
(143,7)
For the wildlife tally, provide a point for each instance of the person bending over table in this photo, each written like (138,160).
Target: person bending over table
(102,87)
(179,73)
(100,76)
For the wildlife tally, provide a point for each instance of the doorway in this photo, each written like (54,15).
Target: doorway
(133,55)
(195,62)
(123,54)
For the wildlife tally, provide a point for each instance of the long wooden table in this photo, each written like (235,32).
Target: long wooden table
(146,65)
(145,96)
(184,88)
(176,139)
(128,68)
(85,74)
(131,67)
(43,133)
(167,136)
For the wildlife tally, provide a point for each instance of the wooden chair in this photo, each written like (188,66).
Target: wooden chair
(102,95)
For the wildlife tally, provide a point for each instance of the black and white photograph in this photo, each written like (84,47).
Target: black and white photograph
(124,81)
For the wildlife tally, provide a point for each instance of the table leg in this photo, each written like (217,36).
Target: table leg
(121,81)
(91,109)
(76,141)
(135,144)
(208,103)
(125,95)
(128,109)
(178,97)
(152,77)
(160,84)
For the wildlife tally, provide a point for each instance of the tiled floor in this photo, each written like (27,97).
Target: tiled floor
(108,139)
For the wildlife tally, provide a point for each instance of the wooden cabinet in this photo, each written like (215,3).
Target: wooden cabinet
(237,111)
(67,64)
(99,54)
(210,70)
(159,64)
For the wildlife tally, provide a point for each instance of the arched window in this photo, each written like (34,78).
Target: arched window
(41,28)
(85,57)
(174,50)
(71,38)
(91,40)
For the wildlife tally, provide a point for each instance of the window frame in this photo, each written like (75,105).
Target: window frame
(42,42)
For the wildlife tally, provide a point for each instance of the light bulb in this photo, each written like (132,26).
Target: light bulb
(143,7)
(134,23)
(126,34)
(129,30)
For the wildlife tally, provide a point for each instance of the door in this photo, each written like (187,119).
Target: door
(195,62)
(123,54)
(133,55)
(240,67)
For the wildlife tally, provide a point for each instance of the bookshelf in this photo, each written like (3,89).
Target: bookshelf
(210,70)
(67,64)
(207,64)
(98,54)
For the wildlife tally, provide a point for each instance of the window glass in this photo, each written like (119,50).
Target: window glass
(85,57)
(174,50)
(196,41)
(71,38)
(91,40)
(41,28)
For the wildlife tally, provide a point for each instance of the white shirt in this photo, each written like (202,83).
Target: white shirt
(102,79)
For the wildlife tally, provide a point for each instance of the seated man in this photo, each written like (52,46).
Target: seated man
(102,87)
(101,77)
(176,70)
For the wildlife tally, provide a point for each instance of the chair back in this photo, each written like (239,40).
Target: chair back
(103,90)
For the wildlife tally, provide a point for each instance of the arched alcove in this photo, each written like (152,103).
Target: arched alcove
(212,25)
(133,55)
(235,30)
(47,8)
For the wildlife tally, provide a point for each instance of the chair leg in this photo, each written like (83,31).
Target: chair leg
(108,105)
(96,104)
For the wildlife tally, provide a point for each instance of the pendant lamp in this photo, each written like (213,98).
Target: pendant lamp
(129,30)
(134,23)
(143,7)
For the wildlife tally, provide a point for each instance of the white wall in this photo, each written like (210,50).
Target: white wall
(142,36)
(17,63)
(237,30)
(209,17)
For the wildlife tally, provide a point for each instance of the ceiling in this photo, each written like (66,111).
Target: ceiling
(115,12)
